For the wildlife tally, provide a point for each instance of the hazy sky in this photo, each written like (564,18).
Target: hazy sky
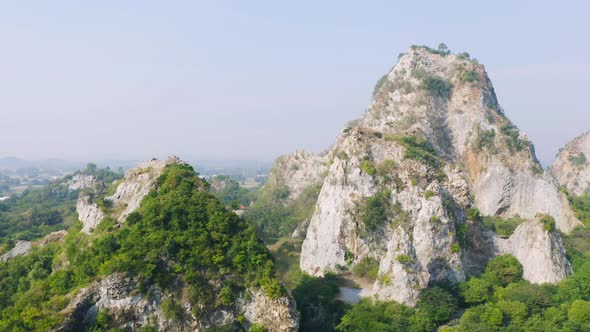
(86,80)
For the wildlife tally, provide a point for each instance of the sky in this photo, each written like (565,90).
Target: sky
(252,80)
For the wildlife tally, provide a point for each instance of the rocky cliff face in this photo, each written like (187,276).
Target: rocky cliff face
(432,144)
(571,167)
(81,181)
(136,184)
(88,213)
(540,251)
(129,309)
(297,171)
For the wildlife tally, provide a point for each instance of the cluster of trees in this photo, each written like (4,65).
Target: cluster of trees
(180,232)
(275,216)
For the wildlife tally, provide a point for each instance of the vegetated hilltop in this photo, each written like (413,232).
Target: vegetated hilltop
(154,251)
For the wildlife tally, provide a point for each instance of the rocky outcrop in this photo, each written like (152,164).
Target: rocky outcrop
(540,252)
(571,167)
(275,315)
(53,237)
(88,213)
(24,247)
(136,184)
(129,309)
(20,248)
(414,244)
(81,181)
(432,144)
(297,171)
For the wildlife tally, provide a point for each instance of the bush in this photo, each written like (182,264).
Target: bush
(578,160)
(386,168)
(405,260)
(367,268)
(437,86)
(316,300)
(455,248)
(429,194)
(375,211)
(419,149)
(368,168)
(512,137)
(368,316)
(473,214)
(486,140)
(504,269)
(463,56)
(548,223)
(437,303)
(469,76)
(379,84)
(503,227)
(171,310)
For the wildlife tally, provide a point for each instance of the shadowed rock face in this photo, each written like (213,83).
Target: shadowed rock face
(571,167)
(474,157)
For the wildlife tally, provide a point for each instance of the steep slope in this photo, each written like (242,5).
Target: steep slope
(402,182)
(296,171)
(178,260)
(571,167)
(283,207)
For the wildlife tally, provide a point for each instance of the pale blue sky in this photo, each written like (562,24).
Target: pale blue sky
(255,79)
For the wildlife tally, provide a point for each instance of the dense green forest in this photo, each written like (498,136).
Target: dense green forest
(180,232)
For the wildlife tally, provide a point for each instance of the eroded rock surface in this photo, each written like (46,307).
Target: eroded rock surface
(571,167)
(128,308)
(540,252)
(88,213)
(435,143)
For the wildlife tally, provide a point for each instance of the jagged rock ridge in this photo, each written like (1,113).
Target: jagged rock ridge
(433,144)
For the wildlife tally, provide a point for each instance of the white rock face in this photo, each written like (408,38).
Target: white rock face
(20,248)
(504,174)
(137,183)
(88,213)
(483,161)
(278,315)
(120,296)
(335,228)
(81,181)
(540,252)
(571,167)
